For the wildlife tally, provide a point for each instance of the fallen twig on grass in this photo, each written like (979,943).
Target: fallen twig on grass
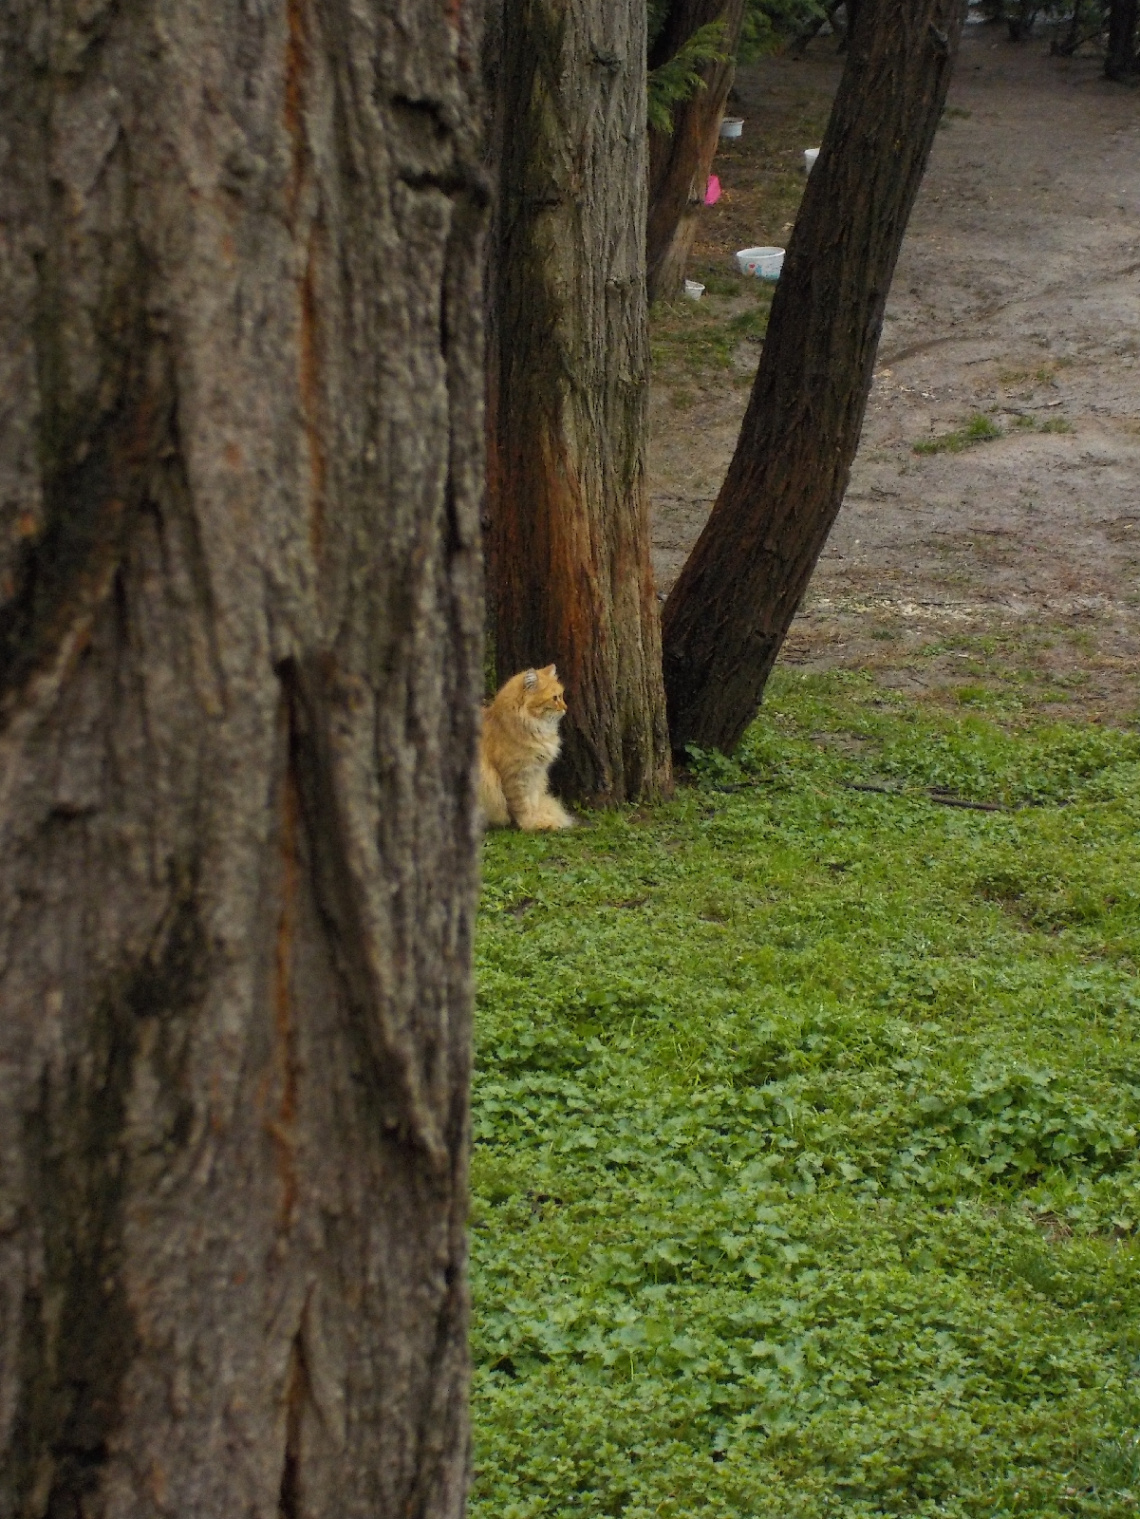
(944,799)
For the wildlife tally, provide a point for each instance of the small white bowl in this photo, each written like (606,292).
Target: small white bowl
(810,156)
(732,126)
(764,263)
(693,290)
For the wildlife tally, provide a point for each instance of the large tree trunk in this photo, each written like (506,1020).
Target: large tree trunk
(1120,61)
(680,161)
(729,611)
(568,511)
(241,459)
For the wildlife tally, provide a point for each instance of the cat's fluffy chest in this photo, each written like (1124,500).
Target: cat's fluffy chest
(544,732)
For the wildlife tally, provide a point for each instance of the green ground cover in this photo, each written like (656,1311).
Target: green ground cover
(806,1178)
(694,340)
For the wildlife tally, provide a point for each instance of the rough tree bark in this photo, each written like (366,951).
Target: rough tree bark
(680,161)
(241,448)
(568,511)
(729,611)
(1120,60)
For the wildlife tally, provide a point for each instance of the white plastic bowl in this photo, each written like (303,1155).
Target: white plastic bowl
(693,290)
(764,263)
(810,156)
(732,126)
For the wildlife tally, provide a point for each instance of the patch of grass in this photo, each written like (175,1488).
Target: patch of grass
(690,339)
(716,282)
(1024,422)
(1040,374)
(978,695)
(978,429)
(694,339)
(750,326)
(805,1172)
(983,644)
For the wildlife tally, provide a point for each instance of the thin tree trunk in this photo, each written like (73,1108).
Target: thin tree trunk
(680,161)
(730,610)
(241,457)
(1020,19)
(1120,61)
(812,29)
(568,387)
(1066,47)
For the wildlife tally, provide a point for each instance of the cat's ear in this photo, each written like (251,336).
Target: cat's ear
(551,671)
(530,680)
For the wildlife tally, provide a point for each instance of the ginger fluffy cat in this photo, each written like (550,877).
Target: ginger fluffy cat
(519,743)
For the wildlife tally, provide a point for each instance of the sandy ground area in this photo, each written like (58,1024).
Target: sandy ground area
(1017,295)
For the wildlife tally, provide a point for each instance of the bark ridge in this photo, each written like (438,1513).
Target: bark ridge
(241,461)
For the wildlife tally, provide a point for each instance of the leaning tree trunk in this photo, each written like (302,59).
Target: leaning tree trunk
(241,457)
(1120,61)
(680,161)
(568,510)
(731,608)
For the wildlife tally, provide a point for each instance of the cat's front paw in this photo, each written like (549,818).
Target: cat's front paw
(550,816)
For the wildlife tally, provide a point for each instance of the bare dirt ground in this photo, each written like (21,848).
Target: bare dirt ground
(1007,572)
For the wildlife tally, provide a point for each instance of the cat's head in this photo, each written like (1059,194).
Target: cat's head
(542,695)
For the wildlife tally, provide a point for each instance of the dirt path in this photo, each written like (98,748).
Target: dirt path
(1017,296)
